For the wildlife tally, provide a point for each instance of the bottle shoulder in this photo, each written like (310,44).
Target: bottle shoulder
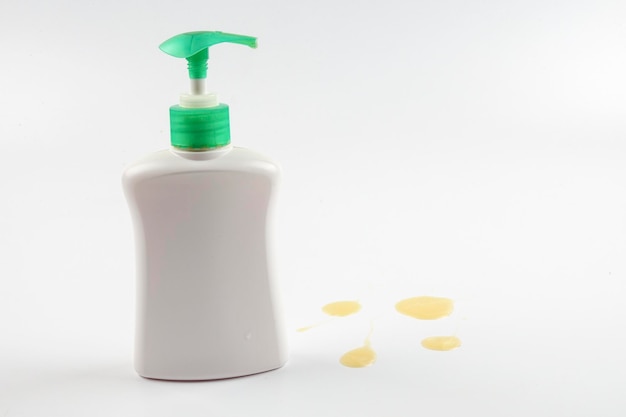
(174,162)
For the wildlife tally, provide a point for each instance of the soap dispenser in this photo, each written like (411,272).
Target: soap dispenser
(206,297)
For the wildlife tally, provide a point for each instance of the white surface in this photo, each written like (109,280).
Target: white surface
(461,149)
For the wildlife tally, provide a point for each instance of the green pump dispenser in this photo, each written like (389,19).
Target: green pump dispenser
(200,122)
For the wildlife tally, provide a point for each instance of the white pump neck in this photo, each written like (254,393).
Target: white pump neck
(198,98)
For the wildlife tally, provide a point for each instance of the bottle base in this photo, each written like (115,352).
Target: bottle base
(207,377)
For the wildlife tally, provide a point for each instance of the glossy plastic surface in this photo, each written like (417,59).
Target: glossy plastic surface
(207,304)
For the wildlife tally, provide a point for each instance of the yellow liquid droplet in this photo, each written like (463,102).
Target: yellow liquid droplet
(426,308)
(341,308)
(359,357)
(441,342)
(305,328)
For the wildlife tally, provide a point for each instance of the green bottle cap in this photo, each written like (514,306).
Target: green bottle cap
(199,122)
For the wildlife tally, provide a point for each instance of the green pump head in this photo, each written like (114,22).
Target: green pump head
(200,122)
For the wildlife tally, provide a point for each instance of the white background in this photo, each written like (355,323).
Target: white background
(469,149)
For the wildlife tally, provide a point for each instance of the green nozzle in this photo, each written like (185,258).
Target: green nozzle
(200,123)
(194,46)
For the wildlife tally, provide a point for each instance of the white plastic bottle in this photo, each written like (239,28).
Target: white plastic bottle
(207,302)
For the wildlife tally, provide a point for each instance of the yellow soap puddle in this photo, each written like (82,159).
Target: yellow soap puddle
(426,307)
(430,308)
(441,343)
(342,308)
(360,357)
(421,308)
(335,309)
